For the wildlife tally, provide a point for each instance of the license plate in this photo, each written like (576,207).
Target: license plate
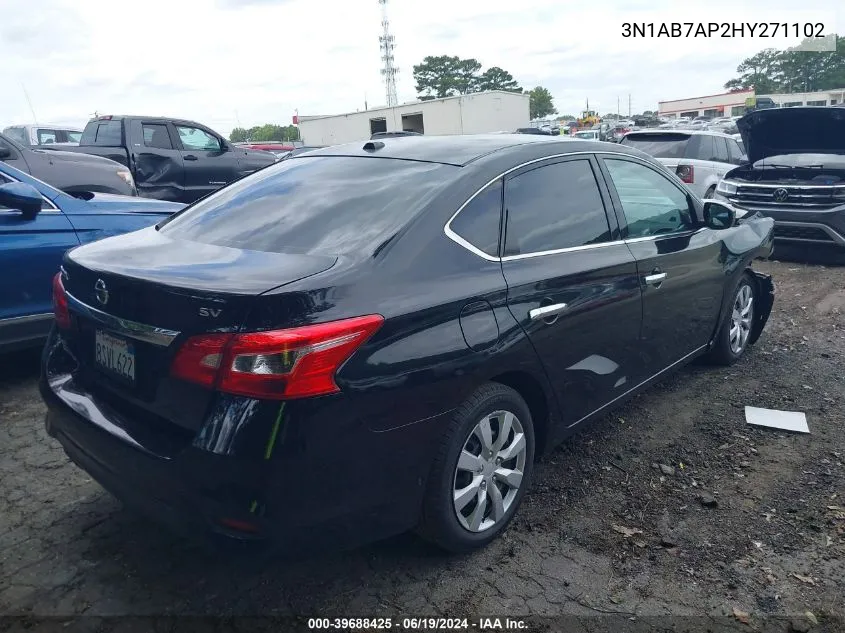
(115,355)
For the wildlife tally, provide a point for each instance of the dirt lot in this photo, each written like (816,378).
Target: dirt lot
(738,523)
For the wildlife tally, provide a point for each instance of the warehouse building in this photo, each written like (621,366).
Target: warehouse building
(734,103)
(477,113)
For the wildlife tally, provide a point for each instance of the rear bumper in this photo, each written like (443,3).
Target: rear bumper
(323,479)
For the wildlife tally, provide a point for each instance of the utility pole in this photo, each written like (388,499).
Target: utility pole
(617,107)
(629,105)
(387,43)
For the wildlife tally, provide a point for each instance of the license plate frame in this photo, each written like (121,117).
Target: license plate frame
(115,356)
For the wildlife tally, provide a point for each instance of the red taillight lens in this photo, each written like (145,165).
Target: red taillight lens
(279,364)
(686,173)
(60,308)
(200,357)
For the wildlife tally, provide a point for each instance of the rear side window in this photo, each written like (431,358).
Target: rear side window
(74,137)
(479,221)
(553,207)
(659,145)
(102,133)
(156,135)
(47,137)
(328,205)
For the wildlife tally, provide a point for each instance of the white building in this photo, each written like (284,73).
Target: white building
(734,103)
(724,104)
(821,98)
(477,113)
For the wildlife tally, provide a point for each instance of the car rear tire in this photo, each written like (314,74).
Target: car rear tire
(735,331)
(481,470)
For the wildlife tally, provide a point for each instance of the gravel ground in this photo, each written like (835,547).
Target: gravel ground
(670,506)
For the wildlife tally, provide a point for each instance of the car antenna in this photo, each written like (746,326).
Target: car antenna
(31,109)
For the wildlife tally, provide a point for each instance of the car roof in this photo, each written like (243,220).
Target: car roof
(450,150)
(461,150)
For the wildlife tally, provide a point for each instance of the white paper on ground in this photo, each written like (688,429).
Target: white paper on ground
(787,420)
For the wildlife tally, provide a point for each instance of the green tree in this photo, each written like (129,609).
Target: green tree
(761,72)
(495,78)
(265,133)
(238,135)
(541,103)
(438,76)
(447,75)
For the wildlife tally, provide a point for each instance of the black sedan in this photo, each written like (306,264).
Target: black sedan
(383,336)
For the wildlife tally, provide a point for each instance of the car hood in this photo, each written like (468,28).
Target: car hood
(779,131)
(78,157)
(132,204)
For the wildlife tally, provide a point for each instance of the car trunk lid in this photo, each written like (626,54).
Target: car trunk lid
(137,298)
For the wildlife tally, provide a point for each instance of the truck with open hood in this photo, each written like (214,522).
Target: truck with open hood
(794,172)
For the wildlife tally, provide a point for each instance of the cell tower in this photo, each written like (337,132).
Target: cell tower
(387,43)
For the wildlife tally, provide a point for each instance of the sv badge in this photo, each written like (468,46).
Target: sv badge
(210,312)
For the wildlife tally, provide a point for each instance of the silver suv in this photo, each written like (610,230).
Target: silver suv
(699,158)
(35,135)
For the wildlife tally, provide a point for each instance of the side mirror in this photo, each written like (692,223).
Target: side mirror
(718,215)
(5,152)
(22,197)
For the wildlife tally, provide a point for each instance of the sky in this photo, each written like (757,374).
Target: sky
(229,63)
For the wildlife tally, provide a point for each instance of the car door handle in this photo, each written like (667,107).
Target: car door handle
(190,157)
(546,311)
(654,279)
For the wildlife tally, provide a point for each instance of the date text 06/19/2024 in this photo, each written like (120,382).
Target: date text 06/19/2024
(418,624)
(724,29)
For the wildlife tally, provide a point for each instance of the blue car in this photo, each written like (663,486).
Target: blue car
(37,225)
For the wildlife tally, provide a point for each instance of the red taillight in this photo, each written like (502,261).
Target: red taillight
(686,173)
(279,364)
(60,309)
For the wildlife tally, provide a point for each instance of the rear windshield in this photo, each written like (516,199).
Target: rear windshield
(330,205)
(659,145)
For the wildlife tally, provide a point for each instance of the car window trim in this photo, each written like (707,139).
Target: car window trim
(617,202)
(614,227)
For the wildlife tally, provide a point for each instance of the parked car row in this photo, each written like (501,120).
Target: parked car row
(789,164)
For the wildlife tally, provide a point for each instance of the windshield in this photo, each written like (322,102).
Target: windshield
(328,205)
(659,145)
(18,134)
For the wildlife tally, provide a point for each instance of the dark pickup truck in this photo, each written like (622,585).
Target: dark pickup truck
(76,174)
(170,159)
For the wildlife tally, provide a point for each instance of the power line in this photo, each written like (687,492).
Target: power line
(387,43)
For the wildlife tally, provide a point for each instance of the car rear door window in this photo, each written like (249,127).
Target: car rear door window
(668,145)
(315,204)
(721,149)
(47,137)
(479,221)
(156,135)
(554,207)
(651,203)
